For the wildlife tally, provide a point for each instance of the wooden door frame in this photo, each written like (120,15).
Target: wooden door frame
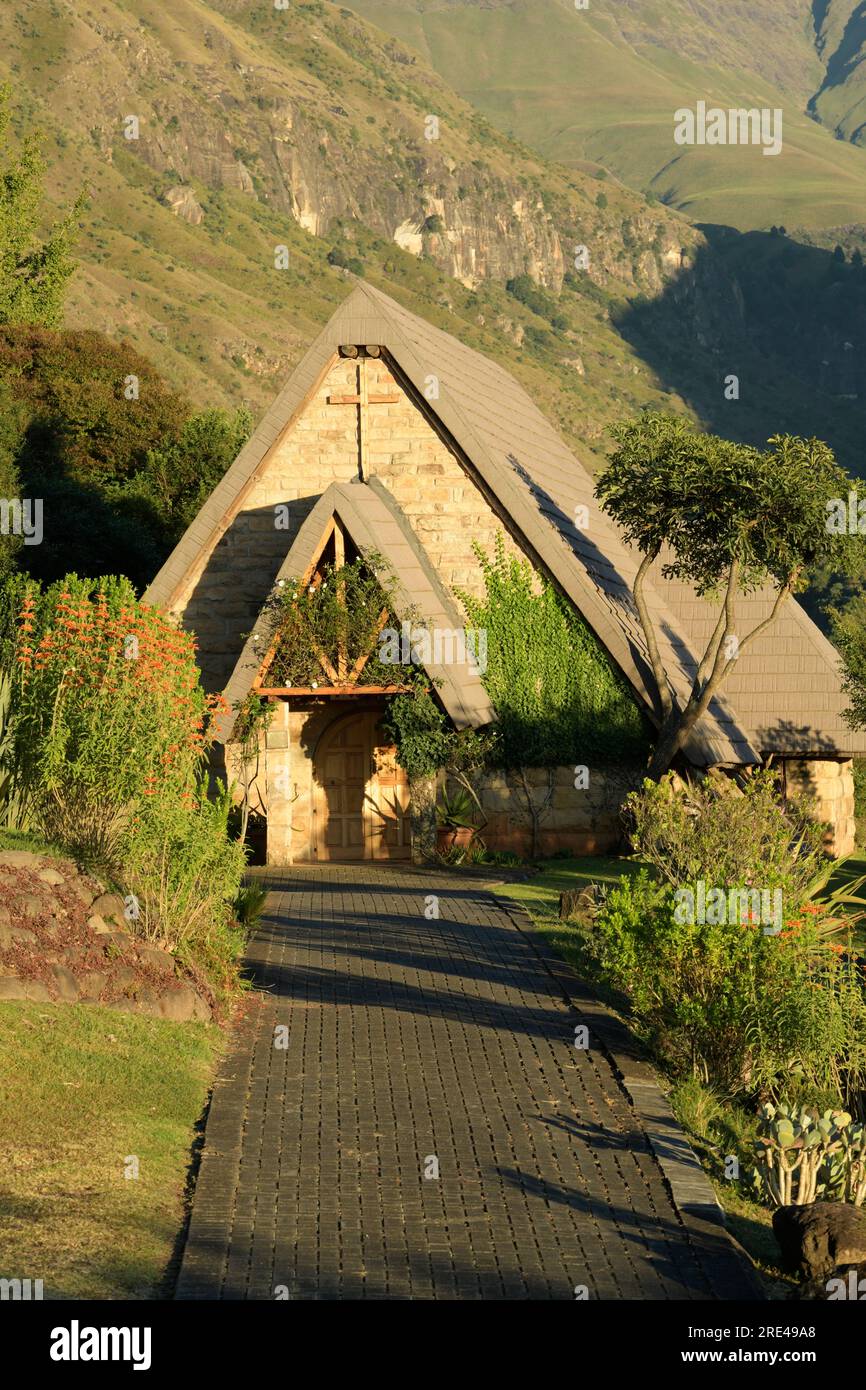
(372,716)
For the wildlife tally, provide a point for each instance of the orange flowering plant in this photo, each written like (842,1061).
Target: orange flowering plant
(108,710)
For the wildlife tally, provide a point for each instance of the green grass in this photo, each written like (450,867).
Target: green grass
(718,1130)
(82,1091)
(540,896)
(23,839)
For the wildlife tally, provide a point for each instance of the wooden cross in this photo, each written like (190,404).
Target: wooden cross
(363,400)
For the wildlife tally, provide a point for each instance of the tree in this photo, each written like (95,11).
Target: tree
(118,459)
(180,476)
(848,626)
(11,429)
(33,272)
(734,519)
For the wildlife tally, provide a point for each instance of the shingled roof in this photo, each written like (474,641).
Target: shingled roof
(785,695)
(371,518)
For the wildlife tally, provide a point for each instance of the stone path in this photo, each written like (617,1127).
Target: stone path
(415,1045)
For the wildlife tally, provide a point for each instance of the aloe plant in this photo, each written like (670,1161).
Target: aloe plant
(456,812)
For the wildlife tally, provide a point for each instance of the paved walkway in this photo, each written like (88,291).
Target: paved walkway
(415,1045)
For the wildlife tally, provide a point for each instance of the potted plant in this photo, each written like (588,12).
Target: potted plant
(455,816)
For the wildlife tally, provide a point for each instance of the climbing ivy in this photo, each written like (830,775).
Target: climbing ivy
(338,619)
(557,696)
(420,732)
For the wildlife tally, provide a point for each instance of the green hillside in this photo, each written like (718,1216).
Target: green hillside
(305,129)
(603,84)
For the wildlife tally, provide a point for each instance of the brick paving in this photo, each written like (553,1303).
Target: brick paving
(412,1042)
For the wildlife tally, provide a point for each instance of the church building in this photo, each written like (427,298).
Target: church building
(392,440)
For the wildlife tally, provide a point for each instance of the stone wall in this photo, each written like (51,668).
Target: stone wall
(581,820)
(829,785)
(577,819)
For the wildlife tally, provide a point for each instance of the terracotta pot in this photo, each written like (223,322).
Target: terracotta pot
(454,837)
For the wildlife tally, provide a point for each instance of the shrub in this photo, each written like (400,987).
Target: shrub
(740,1008)
(185,873)
(557,697)
(735,836)
(249,905)
(802,1156)
(107,710)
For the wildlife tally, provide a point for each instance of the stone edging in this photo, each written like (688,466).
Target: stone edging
(691,1190)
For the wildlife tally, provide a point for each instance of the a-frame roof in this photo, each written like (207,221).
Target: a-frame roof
(790,677)
(371,519)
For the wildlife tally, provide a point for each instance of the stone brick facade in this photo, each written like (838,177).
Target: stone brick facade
(828,784)
(449,511)
(443,504)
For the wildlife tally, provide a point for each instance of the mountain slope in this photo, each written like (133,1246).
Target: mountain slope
(603,84)
(304,130)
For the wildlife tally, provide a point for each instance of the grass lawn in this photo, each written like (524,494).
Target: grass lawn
(540,896)
(715,1129)
(83,1091)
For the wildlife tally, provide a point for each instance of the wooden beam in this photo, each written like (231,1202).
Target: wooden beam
(309,577)
(286,691)
(339,563)
(362,660)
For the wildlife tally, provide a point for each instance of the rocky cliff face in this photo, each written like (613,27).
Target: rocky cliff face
(321,118)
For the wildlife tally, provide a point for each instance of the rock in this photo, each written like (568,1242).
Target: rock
(181,1005)
(31,905)
(818,1238)
(13,988)
(108,905)
(65,983)
(183,203)
(156,958)
(124,978)
(98,924)
(5,918)
(146,1001)
(50,876)
(91,984)
(115,942)
(20,858)
(82,891)
(15,936)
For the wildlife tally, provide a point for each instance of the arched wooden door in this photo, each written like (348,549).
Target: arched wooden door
(361,802)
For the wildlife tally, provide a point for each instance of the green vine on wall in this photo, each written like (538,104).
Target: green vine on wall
(557,695)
